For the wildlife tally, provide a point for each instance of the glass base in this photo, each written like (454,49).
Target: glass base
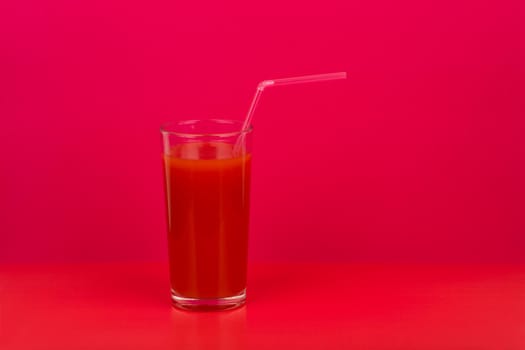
(215,304)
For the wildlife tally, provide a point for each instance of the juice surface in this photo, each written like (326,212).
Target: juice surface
(208,208)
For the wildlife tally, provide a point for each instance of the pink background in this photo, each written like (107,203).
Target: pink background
(418,156)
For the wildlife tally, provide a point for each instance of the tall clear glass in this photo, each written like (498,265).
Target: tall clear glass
(207,197)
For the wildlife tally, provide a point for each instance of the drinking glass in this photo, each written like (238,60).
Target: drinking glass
(207,166)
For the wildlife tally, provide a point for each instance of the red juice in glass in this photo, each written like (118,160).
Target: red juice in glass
(207,196)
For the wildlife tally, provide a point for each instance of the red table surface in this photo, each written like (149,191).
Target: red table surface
(303,306)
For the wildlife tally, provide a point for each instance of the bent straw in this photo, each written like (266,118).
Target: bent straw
(278,82)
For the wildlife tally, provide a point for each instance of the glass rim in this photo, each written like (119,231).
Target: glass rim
(169,128)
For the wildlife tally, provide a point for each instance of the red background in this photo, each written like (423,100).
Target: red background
(418,156)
